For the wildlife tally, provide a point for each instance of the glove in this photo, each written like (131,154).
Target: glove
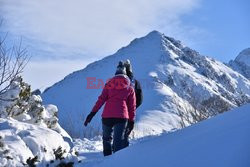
(89,118)
(130,127)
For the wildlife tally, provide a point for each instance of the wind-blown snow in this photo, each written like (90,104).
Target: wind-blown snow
(222,141)
(175,79)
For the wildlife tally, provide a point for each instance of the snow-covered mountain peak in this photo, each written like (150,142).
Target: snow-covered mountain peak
(154,34)
(244,57)
(154,41)
(176,81)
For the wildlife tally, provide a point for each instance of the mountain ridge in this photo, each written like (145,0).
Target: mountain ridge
(177,82)
(153,33)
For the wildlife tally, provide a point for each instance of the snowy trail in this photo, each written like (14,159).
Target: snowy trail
(91,158)
(90,151)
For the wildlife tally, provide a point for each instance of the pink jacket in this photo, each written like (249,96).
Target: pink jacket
(120,99)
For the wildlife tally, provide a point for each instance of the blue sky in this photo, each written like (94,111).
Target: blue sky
(63,36)
(227,22)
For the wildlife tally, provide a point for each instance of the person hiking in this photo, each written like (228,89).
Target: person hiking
(120,104)
(139,98)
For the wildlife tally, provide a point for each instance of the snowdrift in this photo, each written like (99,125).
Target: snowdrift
(222,141)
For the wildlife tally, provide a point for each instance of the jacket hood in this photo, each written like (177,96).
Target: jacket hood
(119,81)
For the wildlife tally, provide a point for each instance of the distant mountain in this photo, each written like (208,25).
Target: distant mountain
(242,63)
(180,87)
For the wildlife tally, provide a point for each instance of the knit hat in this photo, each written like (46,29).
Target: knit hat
(128,65)
(121,68)
(128,68)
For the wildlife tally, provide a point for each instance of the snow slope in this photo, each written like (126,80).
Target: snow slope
(222,141)
(176,81)
(242,63)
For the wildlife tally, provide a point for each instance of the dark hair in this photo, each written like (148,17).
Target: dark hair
(129,74)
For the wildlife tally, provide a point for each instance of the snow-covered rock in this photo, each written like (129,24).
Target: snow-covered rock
(180,87)
(29,131)
(22,141)
(242,63)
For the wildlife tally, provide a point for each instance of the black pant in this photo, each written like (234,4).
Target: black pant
(113,130)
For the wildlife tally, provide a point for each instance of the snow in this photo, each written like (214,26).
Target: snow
(242,63)
(24,140)
(29,129)
(222,141)
(175,80)
(244,56)
(90,151)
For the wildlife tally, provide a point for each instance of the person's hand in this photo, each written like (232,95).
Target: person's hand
(130,127)
(89,118)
